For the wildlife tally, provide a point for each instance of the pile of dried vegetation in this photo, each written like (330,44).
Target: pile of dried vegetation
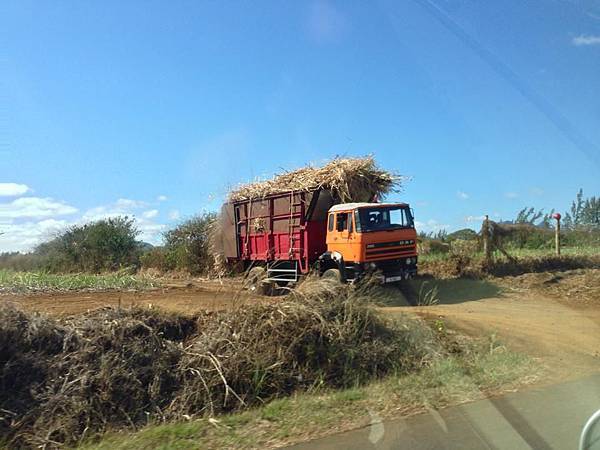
(64,381)
(578,286)
(460,265)
(349,179)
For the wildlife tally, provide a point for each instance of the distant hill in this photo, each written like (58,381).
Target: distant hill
(145,246)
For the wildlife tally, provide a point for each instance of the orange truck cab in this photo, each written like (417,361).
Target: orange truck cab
(370,238)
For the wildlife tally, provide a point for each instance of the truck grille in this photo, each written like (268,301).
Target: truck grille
(382,251)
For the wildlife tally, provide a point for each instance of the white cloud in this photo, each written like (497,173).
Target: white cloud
(24,236)
(537,191)
(511,195)
(162,198)
(122,207)
(35,207)
(150,213)
(430,225)
(150,231)
(584,39)
(474,218)
(28,221)
(128,203)
(174,214)
(462,195)
(13,189)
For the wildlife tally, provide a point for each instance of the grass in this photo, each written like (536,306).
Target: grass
(488,368)
(521,252)
(566,251)
(16,282)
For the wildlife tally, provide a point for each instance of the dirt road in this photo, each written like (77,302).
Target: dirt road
(185,297)
(562,331)
(566,340)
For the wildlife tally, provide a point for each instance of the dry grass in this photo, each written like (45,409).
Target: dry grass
(62,381)
(349,179)
(477,370)
(577,287)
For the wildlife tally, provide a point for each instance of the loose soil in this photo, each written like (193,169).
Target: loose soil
(184,297)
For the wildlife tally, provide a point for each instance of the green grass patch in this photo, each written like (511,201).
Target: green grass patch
(565,251)
(479,370)
(23,282)
(520,253)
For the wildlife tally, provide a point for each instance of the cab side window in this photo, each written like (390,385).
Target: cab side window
(350,222)
(330,223)
(342,221)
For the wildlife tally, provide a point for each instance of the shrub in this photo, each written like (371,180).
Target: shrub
(464,247)
(22,262)
(155,258)
(433,247)
(187,247)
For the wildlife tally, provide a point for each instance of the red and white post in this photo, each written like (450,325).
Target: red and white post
(557,233)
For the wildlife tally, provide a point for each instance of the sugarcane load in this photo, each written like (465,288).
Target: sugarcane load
(326,219)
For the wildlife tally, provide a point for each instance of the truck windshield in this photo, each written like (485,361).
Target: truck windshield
(383,218)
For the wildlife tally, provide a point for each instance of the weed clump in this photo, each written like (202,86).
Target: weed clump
(115,368)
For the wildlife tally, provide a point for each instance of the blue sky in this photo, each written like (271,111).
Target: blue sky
(154,109)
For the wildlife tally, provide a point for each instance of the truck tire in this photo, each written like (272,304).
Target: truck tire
(254,278)
(333,275)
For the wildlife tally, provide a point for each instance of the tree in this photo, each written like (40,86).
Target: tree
(584,213)
(107,244)
(529,216)
(187,246)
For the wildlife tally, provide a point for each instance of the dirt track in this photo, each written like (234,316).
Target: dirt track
(181,296)
(552,316)
(564,339)
(536,314)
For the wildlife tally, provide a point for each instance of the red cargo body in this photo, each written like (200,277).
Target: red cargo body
(287,227)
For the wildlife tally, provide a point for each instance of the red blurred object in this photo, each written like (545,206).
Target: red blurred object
(556,216)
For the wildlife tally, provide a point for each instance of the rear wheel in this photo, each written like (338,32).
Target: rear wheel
(333,275)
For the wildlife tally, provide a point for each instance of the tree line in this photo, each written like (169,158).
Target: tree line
(112,244)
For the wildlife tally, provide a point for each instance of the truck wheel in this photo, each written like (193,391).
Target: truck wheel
(333,275)
(254,278)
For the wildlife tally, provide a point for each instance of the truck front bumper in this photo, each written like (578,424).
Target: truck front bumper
(387,271)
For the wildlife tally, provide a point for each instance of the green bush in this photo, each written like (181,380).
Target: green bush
(104,245)
(187,247)
(156,258)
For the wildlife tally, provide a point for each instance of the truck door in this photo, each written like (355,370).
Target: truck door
(342,227)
